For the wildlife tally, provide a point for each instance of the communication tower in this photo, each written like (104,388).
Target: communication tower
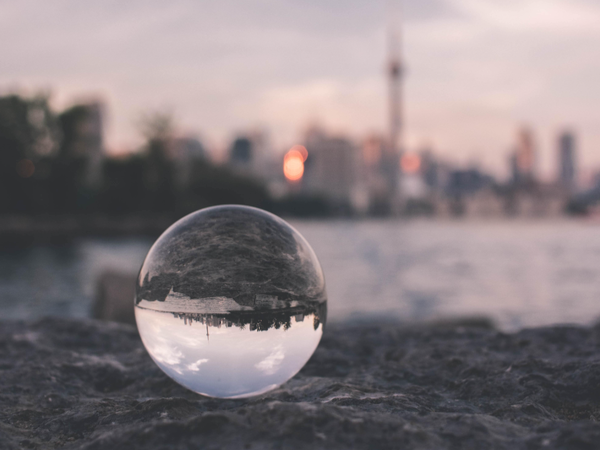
(395,77)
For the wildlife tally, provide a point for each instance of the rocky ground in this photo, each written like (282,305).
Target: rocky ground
(89,384)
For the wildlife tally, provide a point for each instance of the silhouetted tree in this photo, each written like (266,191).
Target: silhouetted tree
(28,139)
(158,168)
(215,185)
(123,188)
(69,167)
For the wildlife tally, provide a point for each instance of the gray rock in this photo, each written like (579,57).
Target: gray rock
(91,385)
(115,292)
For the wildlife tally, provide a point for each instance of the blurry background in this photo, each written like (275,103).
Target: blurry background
(442,157)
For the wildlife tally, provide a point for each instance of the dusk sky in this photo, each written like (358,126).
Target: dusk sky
(476,69)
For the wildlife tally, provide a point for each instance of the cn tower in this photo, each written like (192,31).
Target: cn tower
(395,75)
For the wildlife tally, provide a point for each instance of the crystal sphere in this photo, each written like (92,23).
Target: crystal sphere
(230,301)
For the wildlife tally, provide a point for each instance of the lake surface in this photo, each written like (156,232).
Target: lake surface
(517,273)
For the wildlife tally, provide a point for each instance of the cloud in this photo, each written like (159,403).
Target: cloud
(271,363)
(165,353)
(342,106)
(474,67)
(554,16)
(475,76)
(195,367)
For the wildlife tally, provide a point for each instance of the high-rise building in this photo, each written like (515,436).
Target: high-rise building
(333,168)
(514,168)
(185,151)
(241,152)
(430,169)
(380,168)
(566,157)
(526,153)
(250,154)
(523,161)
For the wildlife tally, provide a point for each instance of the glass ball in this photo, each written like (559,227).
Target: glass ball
(230,301)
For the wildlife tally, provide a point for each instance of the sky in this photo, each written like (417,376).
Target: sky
(476,70)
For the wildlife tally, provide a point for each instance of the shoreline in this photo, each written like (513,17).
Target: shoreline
(77,225)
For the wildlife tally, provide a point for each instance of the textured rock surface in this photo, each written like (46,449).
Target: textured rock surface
(85,384)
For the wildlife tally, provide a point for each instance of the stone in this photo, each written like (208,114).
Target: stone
(84,384)
(114,294)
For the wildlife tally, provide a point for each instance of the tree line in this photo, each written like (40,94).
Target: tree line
(52,163)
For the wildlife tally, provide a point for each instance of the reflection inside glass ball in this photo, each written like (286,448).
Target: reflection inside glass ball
(231,301)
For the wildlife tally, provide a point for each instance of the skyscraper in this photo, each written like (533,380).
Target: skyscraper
(250,154)
(523,162)
(566,160)
(240,153)
(333,168)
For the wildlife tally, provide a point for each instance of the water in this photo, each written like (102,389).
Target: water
(517,273)
(60,279)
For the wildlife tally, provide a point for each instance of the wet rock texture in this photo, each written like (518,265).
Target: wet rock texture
(85,384)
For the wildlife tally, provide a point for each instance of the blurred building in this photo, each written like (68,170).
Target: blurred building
(250,155)
(333,168)
(466,182)
(380,167)
(523,160)
(566,159)
(412,183)
(241,153)
(541,201)
(430,169)
(588,200)
(470,193)
(184,152)
(484,203)
(188,148)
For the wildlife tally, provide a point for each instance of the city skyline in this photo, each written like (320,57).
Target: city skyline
(475,71)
